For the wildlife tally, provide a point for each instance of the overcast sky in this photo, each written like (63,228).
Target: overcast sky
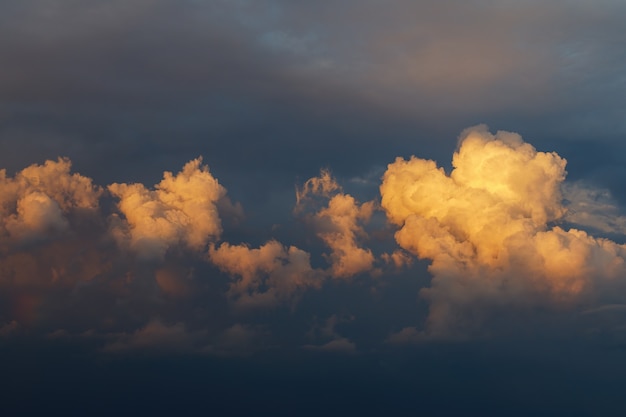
(371,206)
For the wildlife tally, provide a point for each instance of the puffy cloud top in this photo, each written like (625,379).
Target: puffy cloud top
(181,210)
(37,201)
(499,186)
(486,228)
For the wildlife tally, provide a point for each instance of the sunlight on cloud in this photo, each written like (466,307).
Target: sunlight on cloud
(493,230)
(338,224)
(36,203)
(267,275)
(488,229)
(44,211)
(182,210)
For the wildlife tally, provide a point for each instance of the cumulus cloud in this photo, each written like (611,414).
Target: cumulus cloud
(267,275)
(494,230)
(338,224)
(57,253)
(50,234)
(39,200)
(490,229)
(52,264)
(182,210)
(37,215)
(276,273)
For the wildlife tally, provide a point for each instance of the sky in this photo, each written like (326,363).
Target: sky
(279,207)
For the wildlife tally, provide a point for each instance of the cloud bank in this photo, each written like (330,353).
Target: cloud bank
(150,266)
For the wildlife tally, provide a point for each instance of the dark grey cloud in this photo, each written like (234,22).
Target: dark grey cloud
(152,70)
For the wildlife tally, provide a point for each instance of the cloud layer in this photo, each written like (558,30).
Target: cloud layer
(154,266)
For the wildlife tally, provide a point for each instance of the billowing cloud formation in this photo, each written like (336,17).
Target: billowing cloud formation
(182,210)
(488,229)
(38,201)
(274,272)
(50,232)
(43,211)
(266,275)
(494,230)
(339,224)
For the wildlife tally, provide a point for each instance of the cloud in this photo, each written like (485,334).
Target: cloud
(172,281)
(267,275)
(494,231)
(238,340)
(398,258)
(591,207)
(40,201)
(182,210)
(37,215)
(338,224)
(156,337)
(340,345)
(406,336)
(489,230)
(51,237)
(60,252)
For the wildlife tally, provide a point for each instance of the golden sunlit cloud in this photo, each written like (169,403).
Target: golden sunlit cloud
(338,224)
(181,211)
(36,203)
(49,226)
(267,275)
(488,228)
(493,230)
